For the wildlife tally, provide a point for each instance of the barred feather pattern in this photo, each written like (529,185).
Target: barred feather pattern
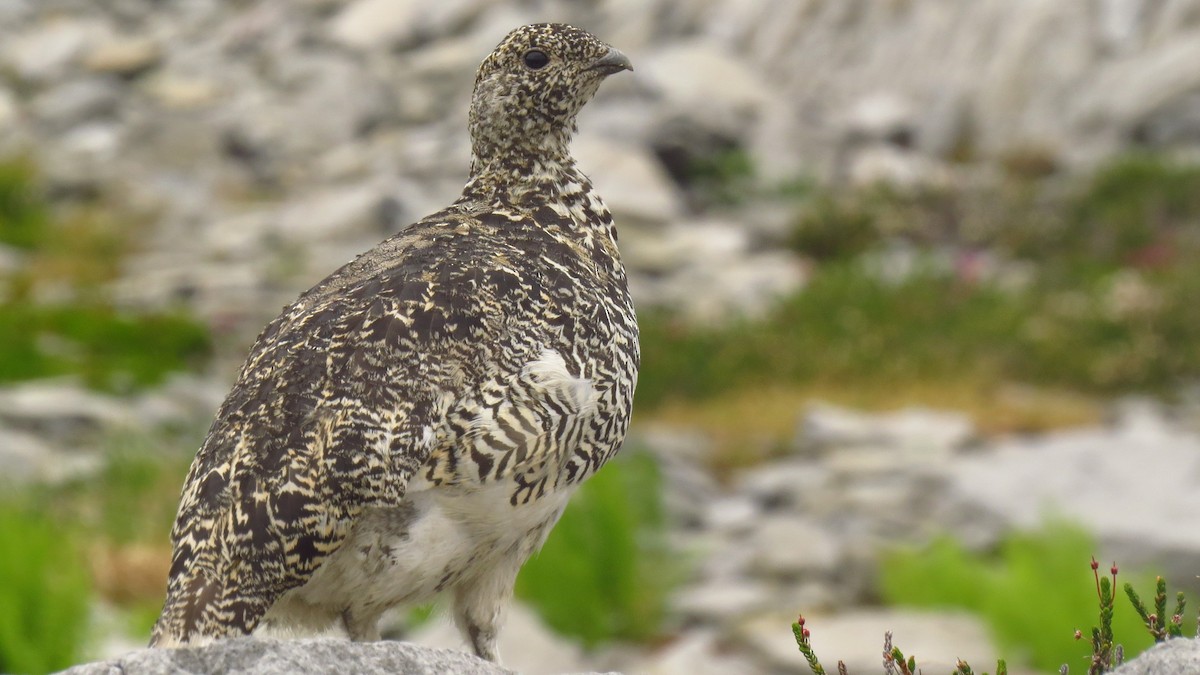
(416,422)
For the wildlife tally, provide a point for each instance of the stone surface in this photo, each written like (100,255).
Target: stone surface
(61,408)
(915,431)
(268,657)
(791,547)
(526,644)
(1172,657)
(1133,486)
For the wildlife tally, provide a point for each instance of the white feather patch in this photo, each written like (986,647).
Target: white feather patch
(549,373)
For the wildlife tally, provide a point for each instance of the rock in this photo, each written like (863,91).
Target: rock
(271,657)
(882,117)
(1132,486)
(935,639)
(525,643)
(61,409)
(337,212)
(46,51)
(789,484)
(125,57)
(707,270)
(370,24)
(75,102)
(699,653)
(793,547)
(8,110)
(910,433)
(719,601)
(26,458)
(182,92)
(1167,658)
(710,87)
(633,184)
(733,514)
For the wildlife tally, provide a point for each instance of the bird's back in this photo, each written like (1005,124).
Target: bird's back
(416,422)
(469,349)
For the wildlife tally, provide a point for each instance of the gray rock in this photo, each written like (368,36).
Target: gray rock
(61,408)
(634,185)
(1168,658)
(337,212)
(268,657)
(47,50)
(719,601)
(706,86)
(732,514)
(792,547)
(912,433)
(123,56)
(27,458)
(75,102)
(525,643)
(369,24)
(1132,486)
(696,653)
(797,483)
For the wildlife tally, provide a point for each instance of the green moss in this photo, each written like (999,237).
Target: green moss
(23,214)
(110,350)
(72,256)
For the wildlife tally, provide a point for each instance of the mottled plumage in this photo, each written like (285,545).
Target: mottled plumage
(416,422)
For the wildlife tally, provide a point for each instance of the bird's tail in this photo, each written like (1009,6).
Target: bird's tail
(199,610)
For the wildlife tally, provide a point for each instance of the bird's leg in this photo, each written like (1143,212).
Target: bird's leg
(361,625)
(479,606)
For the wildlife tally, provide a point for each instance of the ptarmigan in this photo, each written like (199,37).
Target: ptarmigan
(416,422)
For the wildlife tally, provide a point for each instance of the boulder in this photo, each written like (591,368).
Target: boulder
(1167,658)
(285,657)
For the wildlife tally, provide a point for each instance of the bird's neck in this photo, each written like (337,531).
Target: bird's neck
(549,186)
(521,176)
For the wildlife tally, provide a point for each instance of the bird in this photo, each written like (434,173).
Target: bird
(412,427)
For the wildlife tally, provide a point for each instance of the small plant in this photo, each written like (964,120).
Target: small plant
(1106,653)
(606,572)
(998,587)
(1157,623)
(894,660)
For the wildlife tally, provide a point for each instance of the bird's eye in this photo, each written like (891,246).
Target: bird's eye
(536,59)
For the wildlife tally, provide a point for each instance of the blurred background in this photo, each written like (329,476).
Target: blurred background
(917,284)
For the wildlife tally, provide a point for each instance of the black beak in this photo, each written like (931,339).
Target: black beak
(612,62)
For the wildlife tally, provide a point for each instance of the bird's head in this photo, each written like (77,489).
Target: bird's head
(529,90)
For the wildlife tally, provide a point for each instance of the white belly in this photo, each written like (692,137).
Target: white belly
(439,538)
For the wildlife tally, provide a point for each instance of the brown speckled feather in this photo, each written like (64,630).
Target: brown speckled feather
(492,344)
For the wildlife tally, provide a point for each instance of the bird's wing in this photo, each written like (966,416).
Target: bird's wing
(338,405)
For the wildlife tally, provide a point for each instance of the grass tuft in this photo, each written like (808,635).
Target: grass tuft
(45,593)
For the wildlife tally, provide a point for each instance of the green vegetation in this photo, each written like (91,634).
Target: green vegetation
(70,257)
(1030,593)
(23,214)
(45,595)
(1093,293)
(108,349)
(605,572)
(1016,589)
